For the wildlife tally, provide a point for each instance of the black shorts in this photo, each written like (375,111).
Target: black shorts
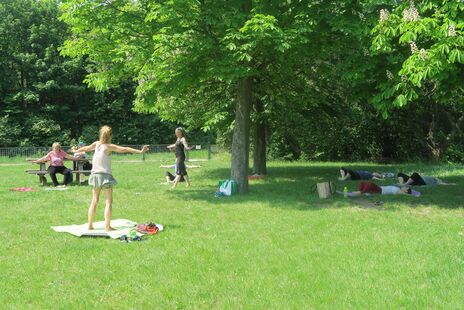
(172,177)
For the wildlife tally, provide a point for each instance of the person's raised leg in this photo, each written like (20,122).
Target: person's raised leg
(93,207)
(169,177)
(108,208)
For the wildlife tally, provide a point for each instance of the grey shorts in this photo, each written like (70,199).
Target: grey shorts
(102,180)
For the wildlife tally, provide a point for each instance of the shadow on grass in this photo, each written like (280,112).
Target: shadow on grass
(290,187)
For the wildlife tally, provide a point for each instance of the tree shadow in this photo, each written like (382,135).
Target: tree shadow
(292,187)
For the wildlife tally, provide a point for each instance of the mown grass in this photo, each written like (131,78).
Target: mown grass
(280,246)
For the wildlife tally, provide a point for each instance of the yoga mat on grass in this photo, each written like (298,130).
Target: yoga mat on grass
(56,188)
(122,227)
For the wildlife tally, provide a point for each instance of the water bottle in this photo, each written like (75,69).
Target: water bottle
(345,192)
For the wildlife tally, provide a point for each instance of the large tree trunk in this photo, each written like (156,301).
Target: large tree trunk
(259,150)
(241,137)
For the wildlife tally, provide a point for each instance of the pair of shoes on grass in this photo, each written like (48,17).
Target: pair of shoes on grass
(125,238)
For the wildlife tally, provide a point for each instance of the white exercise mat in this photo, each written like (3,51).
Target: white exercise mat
(122,227)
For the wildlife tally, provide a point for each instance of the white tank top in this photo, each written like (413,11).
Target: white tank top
(390,190)
(101,163)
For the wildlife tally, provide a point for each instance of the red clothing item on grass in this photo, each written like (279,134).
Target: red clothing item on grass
(369,187)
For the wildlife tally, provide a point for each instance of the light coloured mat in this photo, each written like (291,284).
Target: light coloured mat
(56,188)
(122,227)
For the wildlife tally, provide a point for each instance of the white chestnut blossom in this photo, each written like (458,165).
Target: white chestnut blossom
(452,30)
(413,47)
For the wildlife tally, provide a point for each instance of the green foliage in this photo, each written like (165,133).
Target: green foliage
(455,154)
(180,61)
(426,52)
(9,132)
(42,96)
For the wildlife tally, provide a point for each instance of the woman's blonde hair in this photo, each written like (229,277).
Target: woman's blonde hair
(56,144)
(106,133)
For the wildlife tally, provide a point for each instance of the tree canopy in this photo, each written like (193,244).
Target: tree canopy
(326,80)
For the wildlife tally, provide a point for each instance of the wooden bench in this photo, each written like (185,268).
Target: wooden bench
(78,171)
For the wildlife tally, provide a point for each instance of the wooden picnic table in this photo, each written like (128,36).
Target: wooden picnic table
(78,169)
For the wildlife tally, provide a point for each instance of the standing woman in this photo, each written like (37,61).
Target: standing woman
(180,146)
(101,177)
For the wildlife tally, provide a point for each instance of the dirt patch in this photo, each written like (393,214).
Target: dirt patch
(367,204)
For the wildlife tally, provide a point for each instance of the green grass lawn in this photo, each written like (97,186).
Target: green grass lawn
(278,247)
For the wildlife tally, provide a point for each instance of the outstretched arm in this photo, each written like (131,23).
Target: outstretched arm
(123,149)
(409,182)
(41,160)
(83,149)
(71,157)
(166,166)
(184,142)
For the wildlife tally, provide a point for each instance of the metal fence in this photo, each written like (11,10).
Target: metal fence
(154,148)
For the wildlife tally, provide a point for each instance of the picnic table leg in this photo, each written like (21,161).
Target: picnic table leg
(42,178)
(80,176)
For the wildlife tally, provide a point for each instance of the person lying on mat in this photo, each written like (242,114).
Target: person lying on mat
(367,187)
(348,174)
(170,177)
(101,177)
(419,180)
(56,157)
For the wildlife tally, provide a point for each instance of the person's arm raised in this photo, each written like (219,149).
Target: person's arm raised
(87,148)
(346,177)
(124,149)
(184,142)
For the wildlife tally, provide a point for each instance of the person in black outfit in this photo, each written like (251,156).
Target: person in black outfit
(180,146)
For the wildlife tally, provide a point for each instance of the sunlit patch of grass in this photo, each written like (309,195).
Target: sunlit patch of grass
(279,246)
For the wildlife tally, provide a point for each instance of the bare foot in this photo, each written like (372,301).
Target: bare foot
(90,228)
(110,229)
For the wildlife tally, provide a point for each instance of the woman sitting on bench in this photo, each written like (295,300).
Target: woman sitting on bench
(56,158)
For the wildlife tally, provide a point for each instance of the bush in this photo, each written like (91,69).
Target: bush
(455,154)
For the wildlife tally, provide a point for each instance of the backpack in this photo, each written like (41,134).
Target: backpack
(228,187)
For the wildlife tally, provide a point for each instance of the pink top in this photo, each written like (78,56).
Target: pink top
(56,159)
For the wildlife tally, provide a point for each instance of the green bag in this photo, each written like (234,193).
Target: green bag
(228,187)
